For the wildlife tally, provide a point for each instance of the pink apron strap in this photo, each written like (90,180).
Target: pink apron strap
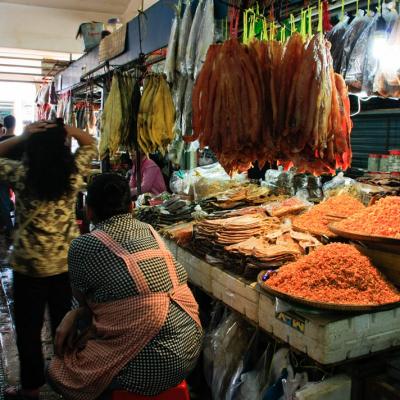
(129,259)
(168,257)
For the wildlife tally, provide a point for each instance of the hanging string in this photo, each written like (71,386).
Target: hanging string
(320,18)
(292,24)
(303,23)
(264,34)
(283,34)
(245,27)
(309,11)
(252,23)
(342,11)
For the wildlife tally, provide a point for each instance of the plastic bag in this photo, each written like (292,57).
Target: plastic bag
(280,182)
(279,371)
(180,182)
(314,188)
(253,381)
(218,314)
(371,65)
(210,180)
(335,36)
(370,62)
(293,383)
(386,81)
(245,364)
(230,341)
(341,185)
(350,41)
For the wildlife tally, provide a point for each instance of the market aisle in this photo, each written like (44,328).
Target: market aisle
(9,367)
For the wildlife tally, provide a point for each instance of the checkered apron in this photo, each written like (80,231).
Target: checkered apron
(123,327)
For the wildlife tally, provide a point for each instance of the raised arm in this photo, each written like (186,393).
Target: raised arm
(83,138)
(9,144)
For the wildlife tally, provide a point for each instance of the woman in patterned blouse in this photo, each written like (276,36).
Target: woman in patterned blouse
(46,184)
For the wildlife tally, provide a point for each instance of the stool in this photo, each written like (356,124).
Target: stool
(180,392)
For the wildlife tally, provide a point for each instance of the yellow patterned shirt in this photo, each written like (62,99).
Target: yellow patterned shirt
(46,229)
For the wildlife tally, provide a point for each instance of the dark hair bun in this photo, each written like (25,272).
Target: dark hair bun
(109,195)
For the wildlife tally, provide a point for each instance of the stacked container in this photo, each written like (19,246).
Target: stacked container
(374,162)
(394,161)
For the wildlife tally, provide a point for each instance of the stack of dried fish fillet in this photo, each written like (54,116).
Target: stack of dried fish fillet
(181,233)
(235,229)
(263,254)
(274,249)
(265,102)
(156,116)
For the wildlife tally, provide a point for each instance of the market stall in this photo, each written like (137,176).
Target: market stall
(310,253)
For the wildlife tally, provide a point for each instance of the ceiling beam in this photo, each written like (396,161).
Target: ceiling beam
(22,66)
(21,73)
(19,81)
(21,58)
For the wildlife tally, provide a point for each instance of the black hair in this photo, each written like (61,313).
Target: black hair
(9,122)
(108,195)
(49,164)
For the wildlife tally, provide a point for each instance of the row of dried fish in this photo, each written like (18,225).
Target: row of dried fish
(267,102)
(189,40)
(190,37)
(170,212)
(156,116)
(120,114)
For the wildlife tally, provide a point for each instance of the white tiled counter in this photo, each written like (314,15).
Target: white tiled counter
(327,339)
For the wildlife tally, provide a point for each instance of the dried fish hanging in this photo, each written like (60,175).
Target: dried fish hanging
(156,116)
(190,38)
(120,114)
(277,102)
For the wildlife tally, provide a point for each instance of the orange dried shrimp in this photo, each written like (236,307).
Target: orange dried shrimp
(317,219)
(381,219)
(337,274)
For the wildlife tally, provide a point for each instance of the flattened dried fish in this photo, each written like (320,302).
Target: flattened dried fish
(206,36)
(184,32)
(170,62)
(193,37)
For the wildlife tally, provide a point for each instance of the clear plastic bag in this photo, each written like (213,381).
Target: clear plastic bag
(341,185)
(280,182)
(218,314)
(180,182)
(245,365)
(229,343)
(350,42)
(210,180)
(336,37)
(254,380)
